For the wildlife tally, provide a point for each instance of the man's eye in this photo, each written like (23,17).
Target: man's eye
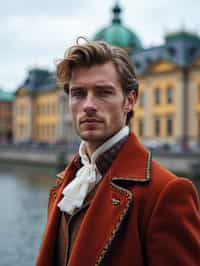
(77,93)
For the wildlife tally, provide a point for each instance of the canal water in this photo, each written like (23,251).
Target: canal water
(23,211)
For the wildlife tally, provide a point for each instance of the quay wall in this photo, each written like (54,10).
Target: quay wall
(187,163)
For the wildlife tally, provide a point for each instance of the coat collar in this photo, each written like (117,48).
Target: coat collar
(133,162)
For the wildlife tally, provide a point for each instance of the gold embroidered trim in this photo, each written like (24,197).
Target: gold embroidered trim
(147,173)
(116,228)
(129,196)
(148,166)
(115,201)
(60,176)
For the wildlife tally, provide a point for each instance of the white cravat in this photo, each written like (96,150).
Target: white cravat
(87,176)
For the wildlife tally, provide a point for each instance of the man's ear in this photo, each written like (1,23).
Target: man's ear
(130,101)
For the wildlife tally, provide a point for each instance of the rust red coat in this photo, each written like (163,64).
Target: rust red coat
(141,214)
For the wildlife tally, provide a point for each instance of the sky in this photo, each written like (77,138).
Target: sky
(36,33)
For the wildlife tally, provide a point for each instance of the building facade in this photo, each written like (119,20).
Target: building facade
(41,110)
(167,110)
(168,107)
(6,109)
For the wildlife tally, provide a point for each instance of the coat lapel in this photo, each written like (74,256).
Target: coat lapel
(102,220)
(110,204)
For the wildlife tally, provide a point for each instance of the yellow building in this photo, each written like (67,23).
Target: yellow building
(22,116)
(169,95)
(41,110)
(168,105)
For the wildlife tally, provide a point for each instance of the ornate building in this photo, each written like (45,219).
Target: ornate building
(168,108)
(41,110)
(118,34)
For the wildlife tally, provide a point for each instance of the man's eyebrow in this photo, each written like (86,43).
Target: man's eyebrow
(76,87)
(108,86)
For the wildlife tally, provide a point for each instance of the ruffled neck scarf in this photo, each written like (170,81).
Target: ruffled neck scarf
(87,176)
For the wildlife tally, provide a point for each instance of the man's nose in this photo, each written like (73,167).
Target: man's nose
(90,105)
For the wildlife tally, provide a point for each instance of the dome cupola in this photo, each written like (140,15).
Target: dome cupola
(118,34)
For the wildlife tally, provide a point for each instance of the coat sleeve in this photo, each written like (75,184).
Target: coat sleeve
(173,236)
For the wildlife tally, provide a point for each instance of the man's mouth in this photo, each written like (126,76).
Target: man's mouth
(90,120)
(90,123)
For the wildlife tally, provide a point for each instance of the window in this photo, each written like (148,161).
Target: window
(192,50)
(43,108)
(47,109)
(42,131)
(141,99)
(170,95)
(169,126)
(148,60)
(157,126)
(141,127)
(137,64)
(53,108)
(53,130)
(198,125)
(198,93)
(172,51)
(48,133)
(157,96)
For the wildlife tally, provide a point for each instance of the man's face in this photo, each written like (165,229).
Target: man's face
(97,103)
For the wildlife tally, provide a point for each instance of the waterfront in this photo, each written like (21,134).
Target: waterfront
(23,201)
(24,193)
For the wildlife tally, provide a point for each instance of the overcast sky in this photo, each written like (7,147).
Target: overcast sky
(35,33)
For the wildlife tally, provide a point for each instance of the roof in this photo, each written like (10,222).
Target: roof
(39,80)
(118,34)
(179,48)
(183,35)
(6,96)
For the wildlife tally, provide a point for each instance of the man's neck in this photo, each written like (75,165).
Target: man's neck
(91,149)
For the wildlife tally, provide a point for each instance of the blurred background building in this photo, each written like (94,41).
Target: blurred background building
(41,110)
(168,108)
(6,111)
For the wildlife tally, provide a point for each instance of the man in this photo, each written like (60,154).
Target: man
(114,205)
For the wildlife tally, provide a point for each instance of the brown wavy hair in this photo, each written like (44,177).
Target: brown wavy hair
(96,53)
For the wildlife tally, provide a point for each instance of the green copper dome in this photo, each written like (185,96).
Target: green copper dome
(118,34)
(182,35)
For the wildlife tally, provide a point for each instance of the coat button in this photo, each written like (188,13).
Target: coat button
(115,201)
(54,195)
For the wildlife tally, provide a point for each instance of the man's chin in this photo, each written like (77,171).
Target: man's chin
(92,136)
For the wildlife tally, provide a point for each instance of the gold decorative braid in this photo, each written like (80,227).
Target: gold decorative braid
(128,194)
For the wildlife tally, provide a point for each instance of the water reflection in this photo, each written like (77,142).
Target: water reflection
(23,203)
